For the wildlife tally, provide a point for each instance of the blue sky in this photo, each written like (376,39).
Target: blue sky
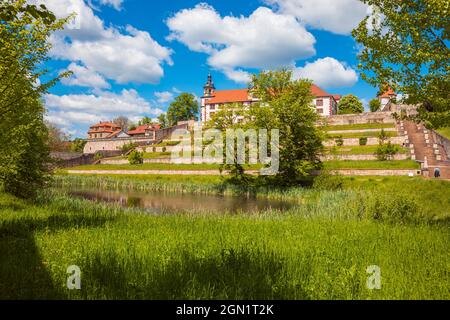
(131,57)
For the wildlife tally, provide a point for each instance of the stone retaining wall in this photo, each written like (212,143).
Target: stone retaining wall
(370,141)
(363,118)
(360,157)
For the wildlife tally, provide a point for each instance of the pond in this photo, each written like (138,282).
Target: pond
(163,202)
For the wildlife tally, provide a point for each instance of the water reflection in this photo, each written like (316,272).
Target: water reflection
(157,202)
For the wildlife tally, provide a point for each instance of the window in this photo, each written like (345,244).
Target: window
(212,107)
(319,102)
(320,110)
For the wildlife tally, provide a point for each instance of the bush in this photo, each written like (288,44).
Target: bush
(374,105)
(392,207)
(328,181)
(363,141)
(386,151)
(136,157)
(164,149)
(339,141)
(128,146)
(98,156)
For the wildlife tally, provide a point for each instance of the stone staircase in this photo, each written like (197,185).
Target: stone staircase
(425,149)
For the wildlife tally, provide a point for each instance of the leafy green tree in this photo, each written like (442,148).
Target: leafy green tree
(163,121)
(24,155)
(145,120)
(183,108)
(350,104)
(405,44)
(375,105)
(285,104)
(78,145)
(136,157)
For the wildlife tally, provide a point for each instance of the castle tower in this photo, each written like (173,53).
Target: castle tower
(208,89)
(208,92)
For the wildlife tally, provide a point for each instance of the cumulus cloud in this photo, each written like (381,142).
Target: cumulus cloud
(81,110)
(164,97)
(116,4)
(339,17)
(125,55)
(262,40)
(328,72)
(85,77)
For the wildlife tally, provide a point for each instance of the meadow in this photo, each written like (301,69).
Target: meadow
(319,250)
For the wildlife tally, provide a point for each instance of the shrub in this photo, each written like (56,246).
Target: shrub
(98,156)
(339,141)
(392,207)
(386,151)
(164,149)
(128,146)
(363,141)
(136,157)
(374,105)
(328,181)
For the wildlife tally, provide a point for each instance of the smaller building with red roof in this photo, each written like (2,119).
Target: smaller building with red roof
(103,130)
(387,97)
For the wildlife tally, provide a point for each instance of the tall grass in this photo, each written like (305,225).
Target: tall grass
(314,252)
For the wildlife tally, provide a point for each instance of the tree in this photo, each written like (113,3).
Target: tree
(405,45)
(77,145)
(183,108)
(58,140)
(163,121)
(24,155)
(350,104)
(285,104)
(122,122)
(145,120)
(374,105)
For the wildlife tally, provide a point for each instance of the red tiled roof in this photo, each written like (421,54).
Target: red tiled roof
(101,131)
(318,92)
(138,130)
(229,96)
(105,124)
(115,133)
(388,93)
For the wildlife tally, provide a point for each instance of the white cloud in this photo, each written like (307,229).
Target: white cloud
(164,96)
(85,77)
(262,40)
(81,110)
(337,16)
(117,4)
(121,54)
(328,72)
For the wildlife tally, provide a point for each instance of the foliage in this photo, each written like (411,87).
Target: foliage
(135,157)
(350,104)
(145,120)
(328,181)
(285,104)
(128,146)
(24,155)
(58,140)
(98,156)
(375,105)
(339,141)
(405,46)
(77,145)
(183,108)
(163,121)
(363,141)
(386,151)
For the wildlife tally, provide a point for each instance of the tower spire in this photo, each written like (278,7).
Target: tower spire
(209,86)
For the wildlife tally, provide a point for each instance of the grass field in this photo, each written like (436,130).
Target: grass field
(320,250)
(158,166)
(372,164)
(359,126)
(445,132)
(348,150)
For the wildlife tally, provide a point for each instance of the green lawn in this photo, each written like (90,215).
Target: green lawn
(156,166)
(445,132)
(320,250)
(350,150)
(359,126)
(368,134)
(371,164)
